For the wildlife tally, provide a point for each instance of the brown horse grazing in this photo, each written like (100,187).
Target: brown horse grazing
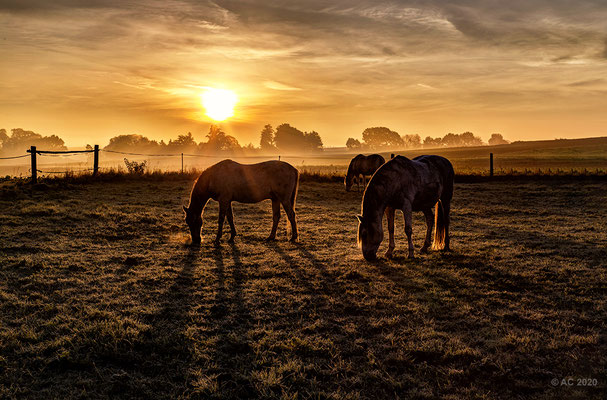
(420,184)
(362,165)
(229,181)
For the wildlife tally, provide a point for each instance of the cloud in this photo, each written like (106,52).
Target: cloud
(279,86)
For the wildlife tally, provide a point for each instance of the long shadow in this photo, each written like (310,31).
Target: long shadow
(486,321)
(229,322)
(329,300)
(162,352)
(533,239)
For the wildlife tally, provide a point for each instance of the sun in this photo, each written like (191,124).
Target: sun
(219,103)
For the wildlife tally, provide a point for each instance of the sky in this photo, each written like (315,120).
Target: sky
(88,70)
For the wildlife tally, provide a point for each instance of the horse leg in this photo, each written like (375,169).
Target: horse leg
(291,215)
(231,222)
(390,217)
(446,210)
(275,218)
(358,183)
(429,226)
(408,215)
(223,208)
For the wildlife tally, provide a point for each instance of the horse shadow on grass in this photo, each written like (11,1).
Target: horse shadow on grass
(229,320)
(201,326)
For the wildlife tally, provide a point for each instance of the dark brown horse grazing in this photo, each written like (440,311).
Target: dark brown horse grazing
(362,165)
(420,184)
(229,181)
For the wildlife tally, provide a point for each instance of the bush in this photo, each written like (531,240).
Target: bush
(135,167)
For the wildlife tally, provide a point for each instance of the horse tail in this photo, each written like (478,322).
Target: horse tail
(439,223)
(295,188)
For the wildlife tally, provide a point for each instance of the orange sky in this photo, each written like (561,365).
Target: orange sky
(92,69)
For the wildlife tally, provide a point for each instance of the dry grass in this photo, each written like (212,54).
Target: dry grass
(99,297)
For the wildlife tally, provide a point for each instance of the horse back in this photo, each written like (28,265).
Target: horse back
(252,183)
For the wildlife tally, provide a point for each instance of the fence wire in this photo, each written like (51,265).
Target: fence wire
(11,158)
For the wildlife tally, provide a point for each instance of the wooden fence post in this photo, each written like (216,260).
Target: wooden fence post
(96,160)
(182,163)
(278,158)
(32,150)
(490,164)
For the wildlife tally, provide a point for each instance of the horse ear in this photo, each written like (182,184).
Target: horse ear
(360,218)
(185,209)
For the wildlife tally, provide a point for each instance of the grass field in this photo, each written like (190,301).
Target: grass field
(100,297)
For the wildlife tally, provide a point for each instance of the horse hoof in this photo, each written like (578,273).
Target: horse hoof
(423,250)
(216,242)
(293,240)
(270,238)
(388,255)
(231,240)
(411,256)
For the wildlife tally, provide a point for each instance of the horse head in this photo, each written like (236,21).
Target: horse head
(370,235)
(348,181)
(194,221)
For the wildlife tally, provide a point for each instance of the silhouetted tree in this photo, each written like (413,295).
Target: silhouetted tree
(3,136)
(381,137)
(219,141)
(183,141)
(266,142)
(468,139)
(313,141)
(412,141)
(496,139)
(133,142)
(432,142)
(353,144)
(20,140)
(288,138)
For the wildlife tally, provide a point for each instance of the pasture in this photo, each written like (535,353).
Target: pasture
(100,297)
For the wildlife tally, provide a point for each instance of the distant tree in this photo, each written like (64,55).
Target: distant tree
(353,144)
(183,141)
(461,140)
(291,139)
(412,141)
(313,141)
(378,137)
(132,142)
(497,139)
(266,142)
(468,139)
(3,136)
(218,141)
(250,148)
(20,140)
(451,140)
(432,142)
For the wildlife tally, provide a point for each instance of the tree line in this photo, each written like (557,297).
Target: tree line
(382,138)
(20,140)
(284,139)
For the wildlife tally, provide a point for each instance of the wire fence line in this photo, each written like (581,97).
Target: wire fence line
(164,160)
(12,158)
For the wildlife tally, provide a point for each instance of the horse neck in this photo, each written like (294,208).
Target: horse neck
(375,201)
(200,194)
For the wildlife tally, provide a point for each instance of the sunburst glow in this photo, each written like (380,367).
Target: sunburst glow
(219,103)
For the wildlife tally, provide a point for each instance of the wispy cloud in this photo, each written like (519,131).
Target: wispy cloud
(279,86)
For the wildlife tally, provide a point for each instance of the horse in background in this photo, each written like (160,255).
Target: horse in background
(421,184)
(229,181)
(362,165)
